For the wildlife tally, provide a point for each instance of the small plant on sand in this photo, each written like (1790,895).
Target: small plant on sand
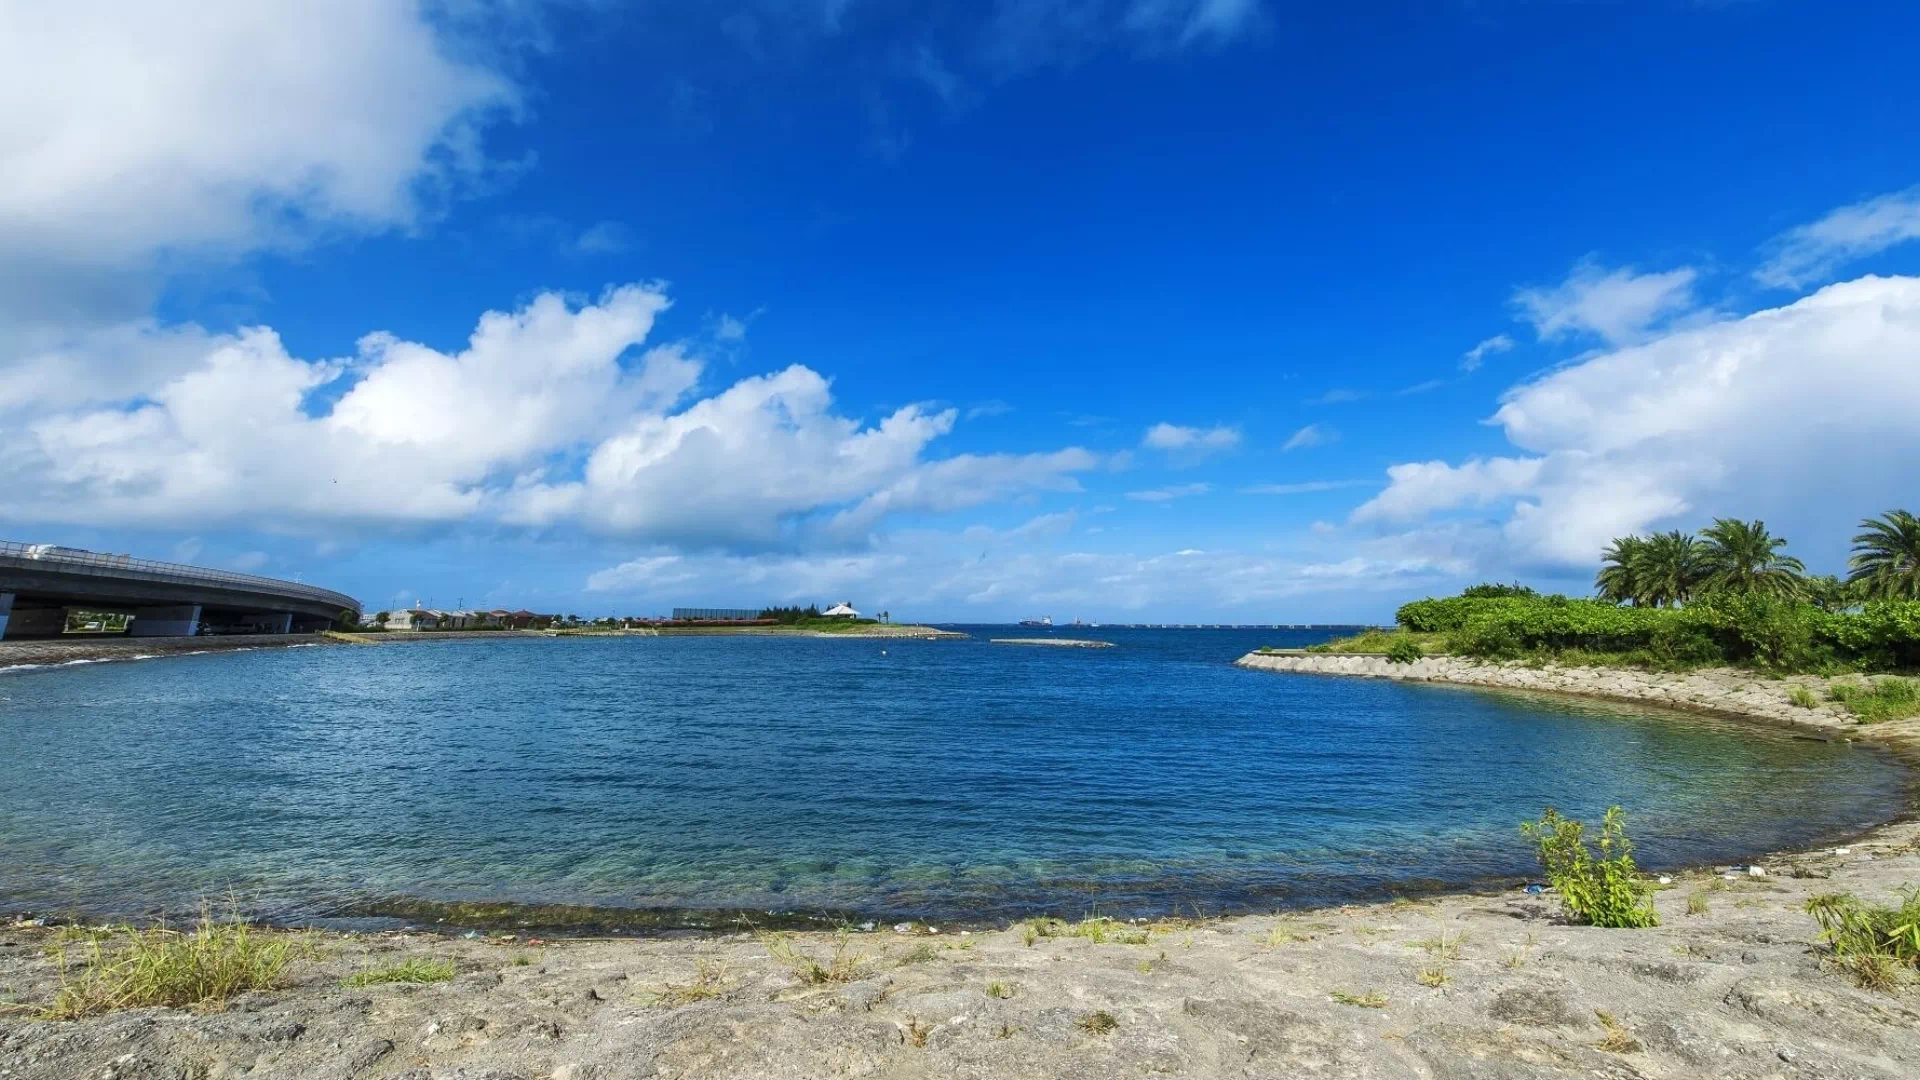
(710,980)
(1618,1040)
(1801,696)
(1433,975)
(841,965)
(1280,935)
(1600,890)
(1404,651)
(1516,958)
(1098,1022)
(408,971)
(1372,999)
(1873,944)
(924,953)
(203,967)
(1697,903)
(1445,947)
(999,990)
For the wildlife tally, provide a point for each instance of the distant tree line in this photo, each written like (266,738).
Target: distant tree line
(1731,595)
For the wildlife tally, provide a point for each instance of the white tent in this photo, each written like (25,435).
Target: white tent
(841,611)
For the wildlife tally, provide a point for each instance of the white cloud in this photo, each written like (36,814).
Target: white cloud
(1801,415)
(603,238)
(550,414)
(1191,441)
(137,128)
(1810,253)
(1619,306)
(1310,436)
(1303,488)
(996,574)
(986,409)
(1167,494)
(1474,357)
(1188,21)
(1339,395)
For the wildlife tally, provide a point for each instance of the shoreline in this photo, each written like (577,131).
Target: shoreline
(1469,983)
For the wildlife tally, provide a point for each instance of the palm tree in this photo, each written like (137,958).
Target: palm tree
(1669,568)
(1743,557)
(1616,581)
(1886,557)
(1829,593)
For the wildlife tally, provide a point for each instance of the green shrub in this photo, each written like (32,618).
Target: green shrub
(1882,699)
(1801,697)
(1404,651)
(1873,944)
(1599,890)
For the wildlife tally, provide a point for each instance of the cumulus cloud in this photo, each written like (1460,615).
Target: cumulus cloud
(1618,306)
(252,123)
(1474,357)
(1310,436)
(1810,253)
(1190,441)
(551,414)
(1801,414)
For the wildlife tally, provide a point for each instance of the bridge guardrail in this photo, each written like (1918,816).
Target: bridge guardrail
(73,560)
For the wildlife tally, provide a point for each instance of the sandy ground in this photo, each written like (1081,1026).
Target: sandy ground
(1465,986)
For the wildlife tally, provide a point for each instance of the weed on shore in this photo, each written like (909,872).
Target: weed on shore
(415,972)
(1617,1040)
(841,965)
(129,968)
(1873,944)
(1891,698)
(1098,1022)
(710,980)
(1372,999)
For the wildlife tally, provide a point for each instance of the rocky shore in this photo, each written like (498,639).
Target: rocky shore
(1732,983)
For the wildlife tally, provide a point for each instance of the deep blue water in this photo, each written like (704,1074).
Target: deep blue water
(887,779)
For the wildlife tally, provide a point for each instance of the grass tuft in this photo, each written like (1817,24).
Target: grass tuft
(1873,944)
(1697,903)
(1098,1022)
(1372,999)
(1433,975)
(917,1032)
(710,981)
(417,972)
(1802,697)
(203,967)
(841,965)
(1001,991)
(1618,1040)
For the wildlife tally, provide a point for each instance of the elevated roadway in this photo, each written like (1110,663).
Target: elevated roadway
(41,583)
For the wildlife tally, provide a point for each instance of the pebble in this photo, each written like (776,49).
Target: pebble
(1756,871)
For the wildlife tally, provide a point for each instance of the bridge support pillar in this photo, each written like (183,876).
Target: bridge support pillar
(180,620)
(36,622)
(6,609)
(279,622)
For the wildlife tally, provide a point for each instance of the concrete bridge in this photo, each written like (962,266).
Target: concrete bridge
(40,583)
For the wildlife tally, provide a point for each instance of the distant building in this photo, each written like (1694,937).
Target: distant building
(715,614)
(842,610)
(413,619)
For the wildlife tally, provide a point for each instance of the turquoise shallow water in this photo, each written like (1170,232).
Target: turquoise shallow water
(877,779)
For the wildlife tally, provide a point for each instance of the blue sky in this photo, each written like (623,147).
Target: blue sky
(1219,310)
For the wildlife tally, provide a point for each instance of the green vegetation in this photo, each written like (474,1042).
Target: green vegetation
(1599,889)
(1802,697)
(999,990)
(1433,975)
(1404,651)
(416,972)
(1618,1040)
(841,965)
(1881,699)
(129,968)
(1873,944)
(1731,596)
(1372,999)
(1697,903)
